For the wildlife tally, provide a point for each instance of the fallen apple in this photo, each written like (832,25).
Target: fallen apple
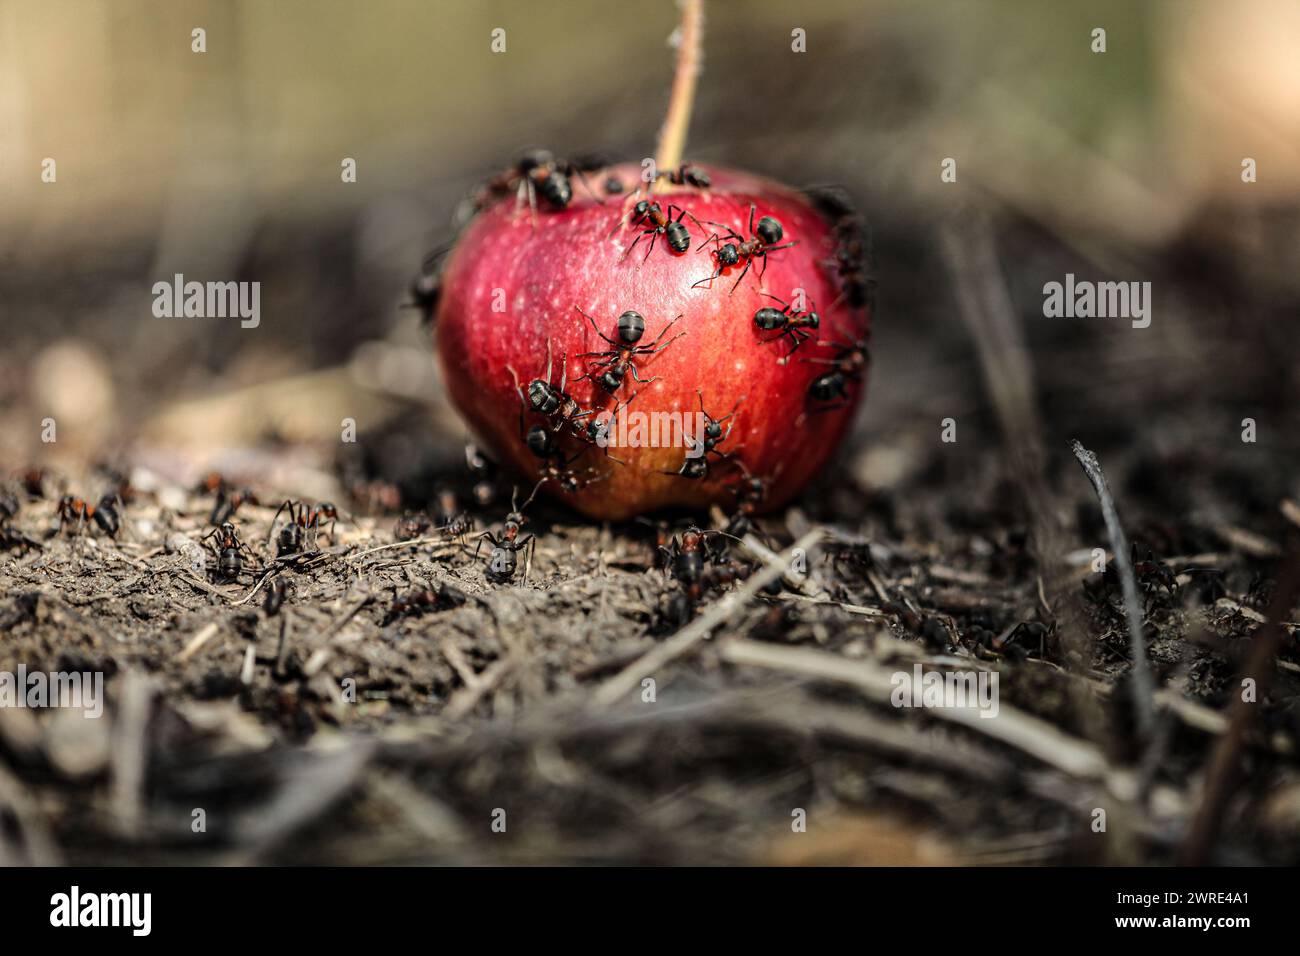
(701,340)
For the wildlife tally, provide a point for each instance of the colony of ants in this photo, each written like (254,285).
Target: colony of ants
(699,560)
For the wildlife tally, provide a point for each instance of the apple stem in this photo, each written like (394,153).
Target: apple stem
(672,137)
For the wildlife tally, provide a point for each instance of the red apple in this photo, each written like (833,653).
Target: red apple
(515,283)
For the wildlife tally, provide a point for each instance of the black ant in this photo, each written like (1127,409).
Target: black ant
(484,470)
(559,408)
(660,223)
(789,321)
(9,536)
(505,549)
(751,493)
(229,550)
(686,561)
(73,510)
(764,238)
(454,522)
(686,175)
(108,514)
(411,526)
(539,173)
(697,466)
(853,247)
(554,465)
(426,289)
(423,601)
(303,519)
(849,364)
(617,362)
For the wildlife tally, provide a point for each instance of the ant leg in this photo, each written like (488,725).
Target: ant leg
(270,534)
(664,332)
(652,245)
(748,262)
(595,329)
(638,379)
(708,279)
(752,209)
(587,183)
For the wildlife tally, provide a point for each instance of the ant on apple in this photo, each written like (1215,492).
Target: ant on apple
(660,223)
(764,238)
(539,173)
(789,321)
(697,468)
(853,246)
(686,175)
(555,404)
(831,388)
(618,361)
(426,289)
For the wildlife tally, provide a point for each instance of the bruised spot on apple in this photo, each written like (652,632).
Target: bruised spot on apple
(516,281)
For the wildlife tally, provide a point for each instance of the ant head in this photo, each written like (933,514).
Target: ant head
(327,510)
(728,254)
(813,320)
(631,326)
(768,318)
(542,397)
(769,230)
(539,441)
(641,209)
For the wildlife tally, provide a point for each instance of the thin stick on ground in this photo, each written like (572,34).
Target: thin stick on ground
(1143,685)
(672,137)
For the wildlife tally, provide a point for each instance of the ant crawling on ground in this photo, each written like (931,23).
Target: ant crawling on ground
(764,238)
(454,522)
(686,562)
(659,222)
(789,321)
(230,550)
(617,362)
(304,520)
(831,388)
(76,511)
(411,526)
(698,467)
(424,601)
(503,560)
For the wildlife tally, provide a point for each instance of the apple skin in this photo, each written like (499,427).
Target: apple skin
(537,268)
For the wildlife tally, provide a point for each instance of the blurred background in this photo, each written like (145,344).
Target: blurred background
(226,165)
